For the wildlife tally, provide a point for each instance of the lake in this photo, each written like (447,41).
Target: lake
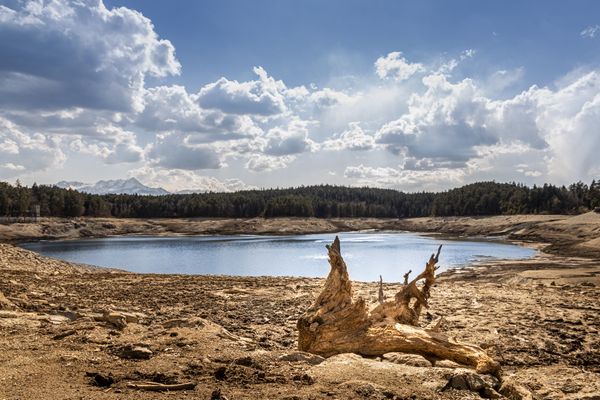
(367,254)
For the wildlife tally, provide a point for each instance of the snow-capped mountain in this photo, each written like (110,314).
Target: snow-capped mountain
(116,186)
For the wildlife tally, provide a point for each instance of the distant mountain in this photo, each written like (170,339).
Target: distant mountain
(116,186)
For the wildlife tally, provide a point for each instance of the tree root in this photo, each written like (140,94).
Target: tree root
(336,323)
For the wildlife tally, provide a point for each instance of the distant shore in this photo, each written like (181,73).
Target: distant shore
(556,234)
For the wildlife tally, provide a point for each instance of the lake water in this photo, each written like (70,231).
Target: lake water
(367,255)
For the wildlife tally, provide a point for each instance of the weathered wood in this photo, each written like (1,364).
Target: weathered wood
(162,387)
(337,323)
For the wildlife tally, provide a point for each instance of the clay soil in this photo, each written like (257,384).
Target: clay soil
(74,332)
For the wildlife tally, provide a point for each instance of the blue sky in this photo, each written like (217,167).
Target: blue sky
(313,41)
(222,95)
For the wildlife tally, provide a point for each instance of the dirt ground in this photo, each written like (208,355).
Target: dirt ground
(73,332)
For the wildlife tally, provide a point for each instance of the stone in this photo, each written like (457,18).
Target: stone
(116,319)
(301,356)
(247,362)
(512,390)
(132,352)
(56,319)
(216,395)
(482,384)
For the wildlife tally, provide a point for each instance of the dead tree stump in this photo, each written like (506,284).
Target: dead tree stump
(336,323)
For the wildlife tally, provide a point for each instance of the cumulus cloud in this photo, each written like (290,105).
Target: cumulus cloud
(394,65)
(445,122)
(109,142)
(264,163)
(354,138)
(173,151)
(172,108)
(263,96)
(185,181)
(398,178)
(20,152)
(78,54)
(289,140)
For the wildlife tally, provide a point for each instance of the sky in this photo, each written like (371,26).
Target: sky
(228,95)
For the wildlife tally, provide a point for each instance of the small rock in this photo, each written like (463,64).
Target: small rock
(513,390)
(247,362)
(484,385)
(116,319)
(300,356)
(72,315)
(216,395)
(304,378)
(132,318)
(64,334)
(132,352)
(56,319)
(366,390)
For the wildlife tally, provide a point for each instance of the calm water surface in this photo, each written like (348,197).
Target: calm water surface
(367,254)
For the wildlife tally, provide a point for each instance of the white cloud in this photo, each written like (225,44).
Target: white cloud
(354,138)
(178,180)
(172,108)
(590,32)
(174,151)
(289,140)
(264,163)
(260,97)
(78,54)
(406,180)
(20,152)
(395,66)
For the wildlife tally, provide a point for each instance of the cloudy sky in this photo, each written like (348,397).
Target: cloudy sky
(224,95)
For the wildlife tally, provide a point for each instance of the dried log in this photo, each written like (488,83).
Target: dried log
(336,323)
(161,387)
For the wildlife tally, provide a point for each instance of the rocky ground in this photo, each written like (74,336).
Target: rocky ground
(74,332)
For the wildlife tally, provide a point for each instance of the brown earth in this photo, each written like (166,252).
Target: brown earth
(66,330)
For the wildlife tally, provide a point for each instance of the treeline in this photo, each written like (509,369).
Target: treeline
(324,201)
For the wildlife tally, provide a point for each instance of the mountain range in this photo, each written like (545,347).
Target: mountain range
(116,186)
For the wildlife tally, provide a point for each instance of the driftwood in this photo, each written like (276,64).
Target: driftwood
(161,387)
(336,323)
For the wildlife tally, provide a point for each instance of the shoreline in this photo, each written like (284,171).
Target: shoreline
(555,234)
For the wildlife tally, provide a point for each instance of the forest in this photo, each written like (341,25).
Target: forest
(322,201)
